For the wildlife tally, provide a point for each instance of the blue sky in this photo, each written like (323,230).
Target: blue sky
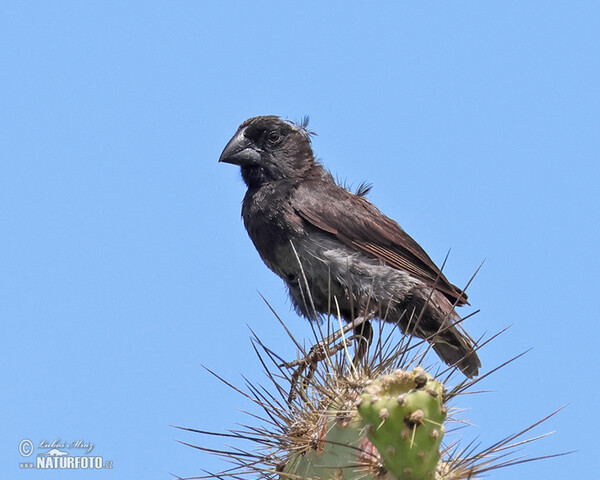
(124,265)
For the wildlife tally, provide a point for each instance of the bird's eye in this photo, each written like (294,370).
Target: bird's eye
(275,137)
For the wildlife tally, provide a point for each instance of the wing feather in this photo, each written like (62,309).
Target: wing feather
(360,225)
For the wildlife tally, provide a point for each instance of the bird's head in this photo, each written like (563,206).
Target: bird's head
(268,148)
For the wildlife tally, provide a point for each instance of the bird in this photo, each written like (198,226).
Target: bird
(333,247)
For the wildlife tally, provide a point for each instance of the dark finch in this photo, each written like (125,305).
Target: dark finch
(349,251)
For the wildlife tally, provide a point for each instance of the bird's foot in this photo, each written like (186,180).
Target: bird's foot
(322,350)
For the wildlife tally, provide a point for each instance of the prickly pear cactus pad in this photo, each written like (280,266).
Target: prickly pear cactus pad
(404,412)
(339,451)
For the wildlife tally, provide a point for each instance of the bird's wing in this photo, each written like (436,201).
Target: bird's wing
(360,225)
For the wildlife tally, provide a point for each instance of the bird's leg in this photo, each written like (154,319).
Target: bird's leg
(363,334)
(326,348)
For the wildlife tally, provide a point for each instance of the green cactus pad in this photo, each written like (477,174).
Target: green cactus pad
(404,413)
(337,450)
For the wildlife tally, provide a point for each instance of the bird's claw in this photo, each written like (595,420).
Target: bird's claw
(319,352)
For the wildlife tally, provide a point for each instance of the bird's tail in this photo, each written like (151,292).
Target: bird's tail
(455,348)
(439,325)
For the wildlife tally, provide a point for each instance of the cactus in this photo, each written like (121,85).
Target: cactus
(380,420)
(394,426)
(404,413)
(338,450)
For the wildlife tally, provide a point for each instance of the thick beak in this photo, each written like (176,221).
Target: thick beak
(240,151)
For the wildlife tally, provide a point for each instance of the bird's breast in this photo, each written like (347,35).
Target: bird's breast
(273,227)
